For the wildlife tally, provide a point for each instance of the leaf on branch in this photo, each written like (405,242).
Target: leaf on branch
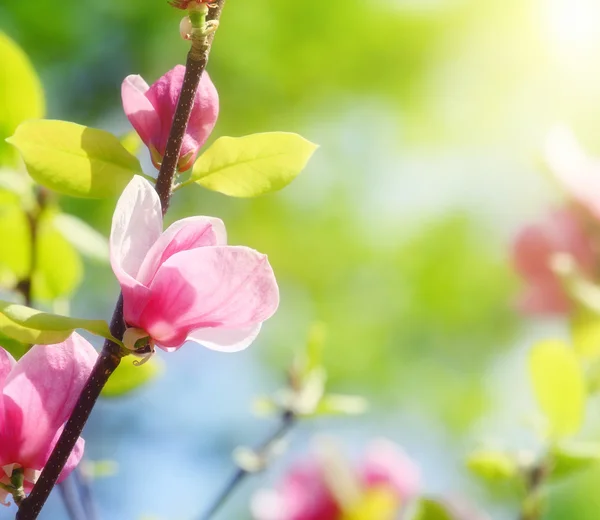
(573,457)
(432,510)
(15,237)
(559,386)
(493,466)
(21,95)
(73,159)
(252,165)
(129,377)
(31,326)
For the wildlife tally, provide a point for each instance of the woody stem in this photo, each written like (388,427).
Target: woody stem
(111,354)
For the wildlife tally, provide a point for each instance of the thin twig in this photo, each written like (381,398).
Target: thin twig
(84,487)
(111,354)
(288,420)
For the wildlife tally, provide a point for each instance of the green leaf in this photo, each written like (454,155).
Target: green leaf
(559,386)
(252,165)
(585,333)
(15,240)
(337,404)
(14,348)
(73,159)
(31,326)
(131,142)
(573,457)
(492,465)
(129,377)
(21,95)
(428,509)
(82,236)
(58,266)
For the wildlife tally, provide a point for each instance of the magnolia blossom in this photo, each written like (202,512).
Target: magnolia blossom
(37,396)
(325,488)
(151,111)
(185,283)
(535,248)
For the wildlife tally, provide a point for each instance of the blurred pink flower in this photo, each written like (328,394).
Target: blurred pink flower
(577,172)
(186,284)
(535,247)
(306,491)
(151,110)
(37,395)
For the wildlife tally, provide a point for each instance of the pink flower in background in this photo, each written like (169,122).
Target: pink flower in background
(576,171)
(151,110)
(534,249)
(37,396)
(306,491)
(186,284)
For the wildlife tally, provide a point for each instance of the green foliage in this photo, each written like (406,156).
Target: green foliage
(129,377)
(252,165)
(21,94)
(15,240)
(571,458)
(559,386)
(15,348)
(58,269)
(431,510)
(585,333)
(31,326)
(73,159)
(493,466)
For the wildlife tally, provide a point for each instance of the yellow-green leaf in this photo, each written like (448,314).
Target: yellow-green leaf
(30,326)
(492,465)
(21,94)
(559,386)
(252,165)
(128,377)
(15,239)
(573,457)
(585,332)
(431,510)
(73,159)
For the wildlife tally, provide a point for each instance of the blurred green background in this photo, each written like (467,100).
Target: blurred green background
(430,115)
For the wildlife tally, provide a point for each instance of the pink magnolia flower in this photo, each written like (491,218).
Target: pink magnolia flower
(186,284)
(37,396)
(151,110)
(306,492)
(535,247)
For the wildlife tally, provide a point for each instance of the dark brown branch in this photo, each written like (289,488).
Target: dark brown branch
(111,354)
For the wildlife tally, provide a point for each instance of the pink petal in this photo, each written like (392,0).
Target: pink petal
(535,247)
(577,172)
(182,235)
(138,109)
(7,362)
(205,113)
(40,393)
(209,287)
(386,464)
(73,460)
(136,226)
(225,340)
(164,94)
